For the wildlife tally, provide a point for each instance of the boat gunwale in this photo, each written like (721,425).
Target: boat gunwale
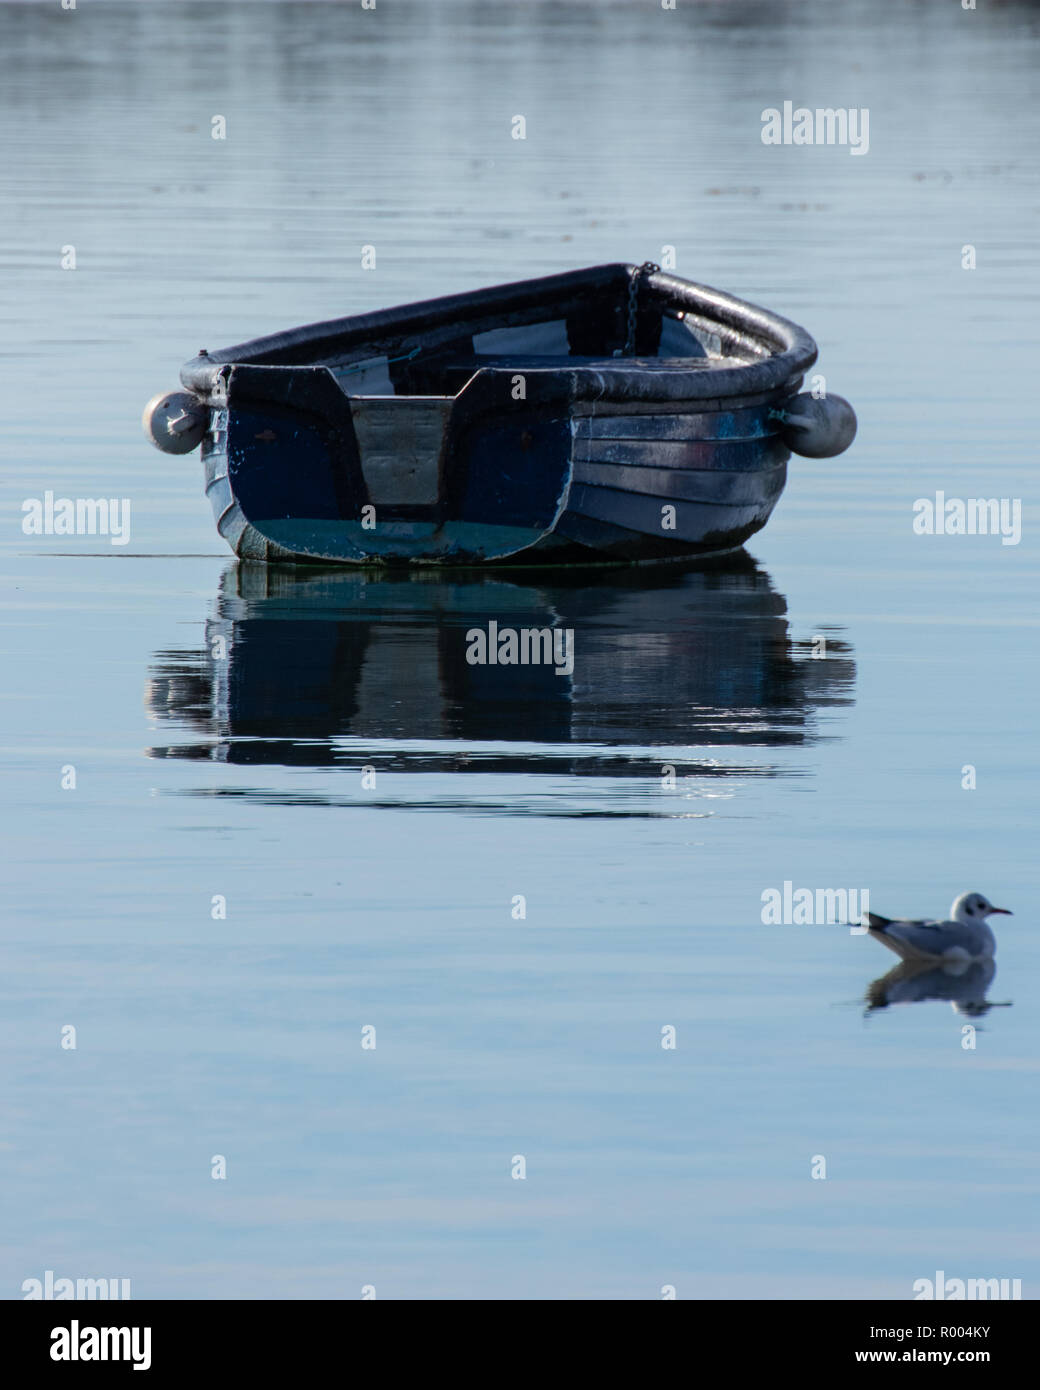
(786,349)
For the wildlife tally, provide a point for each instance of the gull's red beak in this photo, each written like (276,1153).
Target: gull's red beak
(1004,911)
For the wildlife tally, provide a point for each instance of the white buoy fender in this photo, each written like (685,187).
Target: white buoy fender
(818,428)
(175,421)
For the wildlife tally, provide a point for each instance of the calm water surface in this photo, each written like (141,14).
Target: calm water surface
(699,753)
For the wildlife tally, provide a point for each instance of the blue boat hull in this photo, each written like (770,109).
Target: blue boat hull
(574,485)
(611,415)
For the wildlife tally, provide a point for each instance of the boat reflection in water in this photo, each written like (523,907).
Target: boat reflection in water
(333,668)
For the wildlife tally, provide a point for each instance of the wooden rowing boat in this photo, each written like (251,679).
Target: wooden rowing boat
(617,413)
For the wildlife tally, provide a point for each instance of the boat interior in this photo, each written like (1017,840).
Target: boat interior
(601,317)
(443,369)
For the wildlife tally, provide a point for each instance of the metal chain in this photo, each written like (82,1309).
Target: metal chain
(647,268)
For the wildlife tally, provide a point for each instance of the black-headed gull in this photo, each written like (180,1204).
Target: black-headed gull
(965,937)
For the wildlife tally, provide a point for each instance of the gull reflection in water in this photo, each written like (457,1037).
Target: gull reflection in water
(963,984)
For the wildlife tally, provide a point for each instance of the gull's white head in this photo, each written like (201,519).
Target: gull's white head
(975,907)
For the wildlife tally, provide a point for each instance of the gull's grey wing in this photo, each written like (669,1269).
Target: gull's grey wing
(935,938)
(880,923)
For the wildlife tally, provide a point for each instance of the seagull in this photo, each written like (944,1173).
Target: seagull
(965,937)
